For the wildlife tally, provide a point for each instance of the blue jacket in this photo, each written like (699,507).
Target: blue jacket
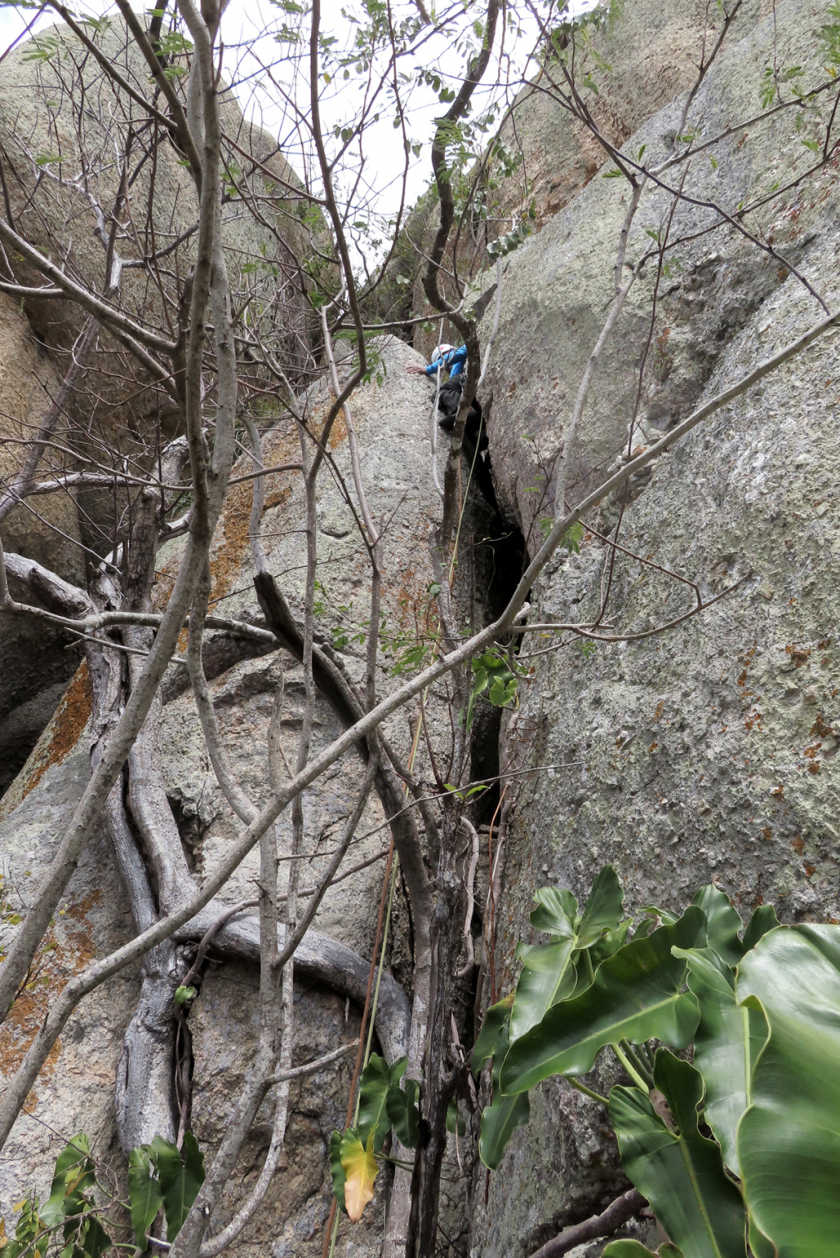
(455,361)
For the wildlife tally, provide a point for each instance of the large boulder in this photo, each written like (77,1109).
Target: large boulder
(706,752)
(390,420)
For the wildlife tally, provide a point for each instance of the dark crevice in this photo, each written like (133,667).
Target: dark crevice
(498,558)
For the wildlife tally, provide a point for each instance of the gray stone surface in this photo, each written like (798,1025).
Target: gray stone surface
(707,753)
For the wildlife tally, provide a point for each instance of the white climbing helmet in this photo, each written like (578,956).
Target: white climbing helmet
(440,351)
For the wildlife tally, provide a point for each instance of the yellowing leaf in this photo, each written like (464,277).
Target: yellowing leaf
(360,1172)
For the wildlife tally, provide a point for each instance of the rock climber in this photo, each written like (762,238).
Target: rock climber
(446,358)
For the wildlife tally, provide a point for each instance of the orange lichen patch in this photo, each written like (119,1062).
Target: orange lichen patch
(62,733)
(798,654)
(231,543)
(338,432)
(55,962)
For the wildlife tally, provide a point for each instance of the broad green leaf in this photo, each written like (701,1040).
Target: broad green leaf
(789,1138)
(603,909)
(495,1025)
(179,1181)
(547,976)
(74,1175)
(337,1169)
(764,919)
(555,912)
(144,1195)
(377,1079)
(723,923)
(727,1042)
(637,995)
(93,1241)
(193,1161)
(359,1164)
(635,1249)
(682,1175)
(500,1119)
(403,1110)
(498,1123)
(609,943)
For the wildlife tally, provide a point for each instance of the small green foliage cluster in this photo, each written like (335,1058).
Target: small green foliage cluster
(736,1149)
(159,1177)
(383,1106)
(496,676)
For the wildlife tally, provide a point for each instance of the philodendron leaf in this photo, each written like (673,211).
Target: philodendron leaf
(377,1078)
(637,995)
(789,1138)
(682,1175)
(547,977)
(403,1110)
(494,1026)
(144,1195)
(603,909)
(498,1123)
(549,974)
(723,923)
(555,912)
(764,919)
(727,1042)
(500,1120)
(635,1249)
(74,1175)
(180,1180)
(359,1165)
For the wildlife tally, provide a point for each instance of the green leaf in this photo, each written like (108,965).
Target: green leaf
(493,1028)
(337,1170)
(74,1175)
(92,1238)
(144,1194)
(556,911)
(602,911)
(403,1110)
(377,1079)
(789,1138)
(498,1123)
(500,1119)
(727,1042)
(455,1120)
(636,996)
(183,994)
(359,1163)
(764,919)
(547,977)
(179,1181)
(723,923)
(682,1175)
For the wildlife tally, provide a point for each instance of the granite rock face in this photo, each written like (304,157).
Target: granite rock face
(707,752)
(115,407)
(391,423)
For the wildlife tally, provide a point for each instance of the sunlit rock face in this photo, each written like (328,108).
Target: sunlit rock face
(707,752)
